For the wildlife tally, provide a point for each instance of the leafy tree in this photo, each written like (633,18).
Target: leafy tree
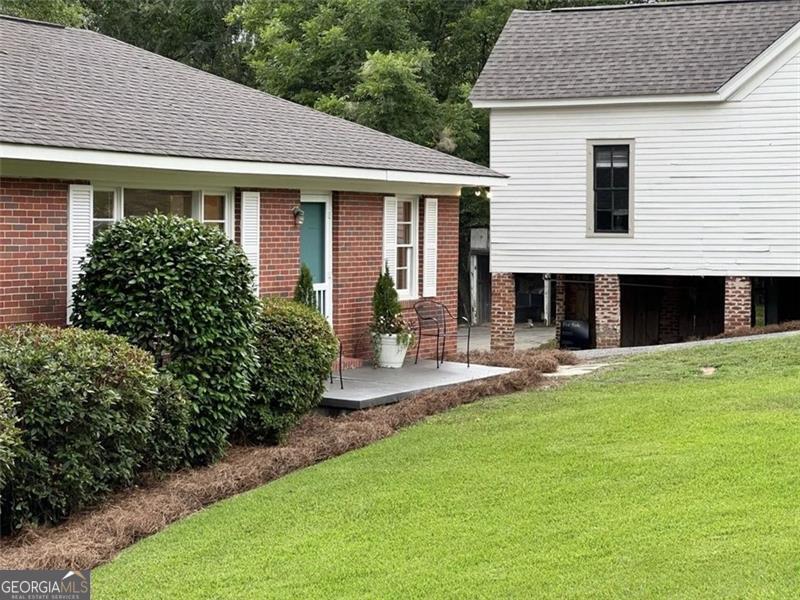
(190,31)
(72,13)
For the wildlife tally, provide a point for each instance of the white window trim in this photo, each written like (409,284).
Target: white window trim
(115,209)
(197,201)
(412,293)
(590,145)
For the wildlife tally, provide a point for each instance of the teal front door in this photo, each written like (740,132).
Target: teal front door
(314,248)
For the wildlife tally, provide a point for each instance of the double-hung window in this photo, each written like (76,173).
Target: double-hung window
(406,240)
(611,189)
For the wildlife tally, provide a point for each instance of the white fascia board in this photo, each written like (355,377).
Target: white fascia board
(599,101)
(782,48)
(212,165)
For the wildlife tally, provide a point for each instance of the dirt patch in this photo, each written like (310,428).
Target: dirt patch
(95,536)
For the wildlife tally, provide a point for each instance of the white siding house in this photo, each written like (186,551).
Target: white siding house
(700,105)
(716,186)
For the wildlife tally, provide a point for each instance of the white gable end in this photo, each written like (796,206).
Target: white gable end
(717,186)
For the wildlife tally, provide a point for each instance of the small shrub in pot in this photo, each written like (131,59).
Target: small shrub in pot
(296,348)
(391,335)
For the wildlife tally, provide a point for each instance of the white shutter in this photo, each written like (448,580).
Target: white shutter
(390,235)
(251,231)
(431,247)
(79,235)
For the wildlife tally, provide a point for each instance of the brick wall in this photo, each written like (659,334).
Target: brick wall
(358,259)
(33,255)
(279,262)
(503,307)
(33,250)
(607,311)
(738,301)
(669,315)
(561,306)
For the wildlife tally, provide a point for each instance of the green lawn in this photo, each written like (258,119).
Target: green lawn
(650,480)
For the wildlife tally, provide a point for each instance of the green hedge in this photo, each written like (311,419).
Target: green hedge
(84,404)
(168,434)
(296,347)
(9,433)
(183,291)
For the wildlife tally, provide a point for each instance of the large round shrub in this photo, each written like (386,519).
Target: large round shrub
(183,291)
(9,433)
(83,400)
(296,347)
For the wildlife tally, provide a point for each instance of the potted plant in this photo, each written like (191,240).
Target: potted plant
(391,335)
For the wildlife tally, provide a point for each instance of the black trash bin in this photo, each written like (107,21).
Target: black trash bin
(575,335)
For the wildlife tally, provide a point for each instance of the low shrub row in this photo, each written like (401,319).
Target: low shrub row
(83,402)
(172,354)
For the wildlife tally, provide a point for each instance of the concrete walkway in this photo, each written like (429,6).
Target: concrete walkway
(591,355)
(525,337)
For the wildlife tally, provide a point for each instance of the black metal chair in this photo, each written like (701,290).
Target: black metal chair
(341,377)
(434,319)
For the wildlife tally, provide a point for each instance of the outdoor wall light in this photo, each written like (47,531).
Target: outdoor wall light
(298,215)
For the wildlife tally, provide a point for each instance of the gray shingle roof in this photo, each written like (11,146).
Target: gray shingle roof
(678,48)
(74,88)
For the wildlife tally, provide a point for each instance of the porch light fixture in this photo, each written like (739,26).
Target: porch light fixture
(299,215)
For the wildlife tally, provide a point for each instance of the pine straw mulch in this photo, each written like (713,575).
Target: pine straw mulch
(777,328)
(95,536)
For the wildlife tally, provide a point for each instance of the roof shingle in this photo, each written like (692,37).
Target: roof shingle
(74,88)
(631,50)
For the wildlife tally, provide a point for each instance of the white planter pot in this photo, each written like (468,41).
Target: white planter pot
(392,352)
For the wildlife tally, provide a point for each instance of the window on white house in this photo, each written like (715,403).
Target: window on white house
(103,202)
(406,239)
(611,188)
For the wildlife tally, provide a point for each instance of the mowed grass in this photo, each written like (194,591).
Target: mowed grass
(649,480)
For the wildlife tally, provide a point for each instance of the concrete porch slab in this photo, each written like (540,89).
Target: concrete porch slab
(366,387)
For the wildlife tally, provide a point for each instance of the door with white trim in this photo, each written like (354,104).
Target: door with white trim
(316,246)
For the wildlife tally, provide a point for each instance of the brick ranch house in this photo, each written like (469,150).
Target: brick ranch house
(653,155)
(93,130)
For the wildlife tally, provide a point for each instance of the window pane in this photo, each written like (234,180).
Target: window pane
(602,178)
(620,156)
(145,202)
(603,220)
(103,204)
(620,200)
(620,177)
(402,279)
(602,156)
(99,226)
(603,200)
(402,257)
(621,223)
(404,211)
(214,208)
(404,234)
